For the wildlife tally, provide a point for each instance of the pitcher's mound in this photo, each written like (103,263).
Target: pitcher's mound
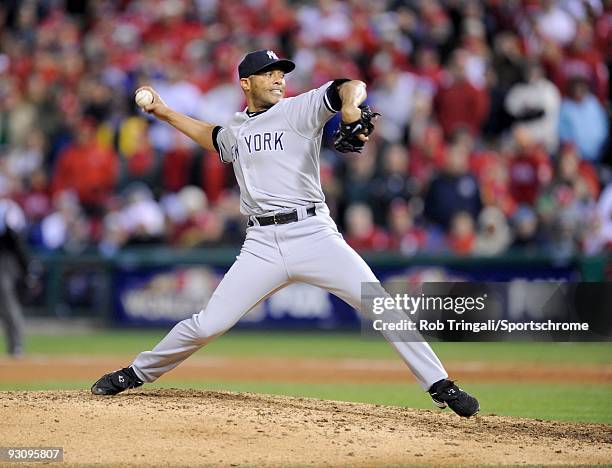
(186,427)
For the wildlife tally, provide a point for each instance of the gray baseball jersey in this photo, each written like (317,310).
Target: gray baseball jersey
(275,155)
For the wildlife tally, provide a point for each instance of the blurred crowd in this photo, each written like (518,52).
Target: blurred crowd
(494,135)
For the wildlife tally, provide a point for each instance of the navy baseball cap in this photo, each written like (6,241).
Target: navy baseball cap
(260,60)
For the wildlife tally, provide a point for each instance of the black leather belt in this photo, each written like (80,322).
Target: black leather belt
(282,218)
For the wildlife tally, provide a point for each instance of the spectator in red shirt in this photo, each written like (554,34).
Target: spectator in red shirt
(405,236)
(529,168)
(462,235)
(427,66)
(36,200)
(86,167)
(427,155)
(494,186)
(582,59)
(458,103)
(177,168)
(361,232)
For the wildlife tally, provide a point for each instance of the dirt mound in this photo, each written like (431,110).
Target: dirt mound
(186,427)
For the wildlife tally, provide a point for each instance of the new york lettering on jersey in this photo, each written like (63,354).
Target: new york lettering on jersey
(266,141)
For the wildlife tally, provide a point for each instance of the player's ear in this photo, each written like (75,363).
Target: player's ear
(245,84)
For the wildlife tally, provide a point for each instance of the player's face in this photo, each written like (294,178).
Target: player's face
(265,89)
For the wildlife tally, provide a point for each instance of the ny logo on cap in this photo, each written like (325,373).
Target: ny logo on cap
(272,55)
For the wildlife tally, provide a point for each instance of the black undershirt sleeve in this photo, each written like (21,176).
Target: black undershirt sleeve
(333,101)
(215,132)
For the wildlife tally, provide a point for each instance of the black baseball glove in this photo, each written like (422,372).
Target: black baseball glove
(346,137)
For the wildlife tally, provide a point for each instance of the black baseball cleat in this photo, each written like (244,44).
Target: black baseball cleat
(116,382)
(445,393)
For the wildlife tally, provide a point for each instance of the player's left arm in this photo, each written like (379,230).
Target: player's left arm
(352,94)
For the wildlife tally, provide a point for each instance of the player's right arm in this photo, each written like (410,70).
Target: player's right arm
(198,131)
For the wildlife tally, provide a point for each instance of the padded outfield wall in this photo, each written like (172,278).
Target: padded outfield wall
(142,287)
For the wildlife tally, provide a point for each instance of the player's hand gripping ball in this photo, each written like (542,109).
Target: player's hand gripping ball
(346,137)
(143,98)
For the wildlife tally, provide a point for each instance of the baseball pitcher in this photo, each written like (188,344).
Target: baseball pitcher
(274,146)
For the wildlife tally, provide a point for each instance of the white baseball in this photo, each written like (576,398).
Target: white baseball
(143,97)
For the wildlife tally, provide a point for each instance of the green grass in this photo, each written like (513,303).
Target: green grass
(323,345)
(566,402)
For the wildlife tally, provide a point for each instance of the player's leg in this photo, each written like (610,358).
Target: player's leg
(257,273)
(340,270)
(249,281)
